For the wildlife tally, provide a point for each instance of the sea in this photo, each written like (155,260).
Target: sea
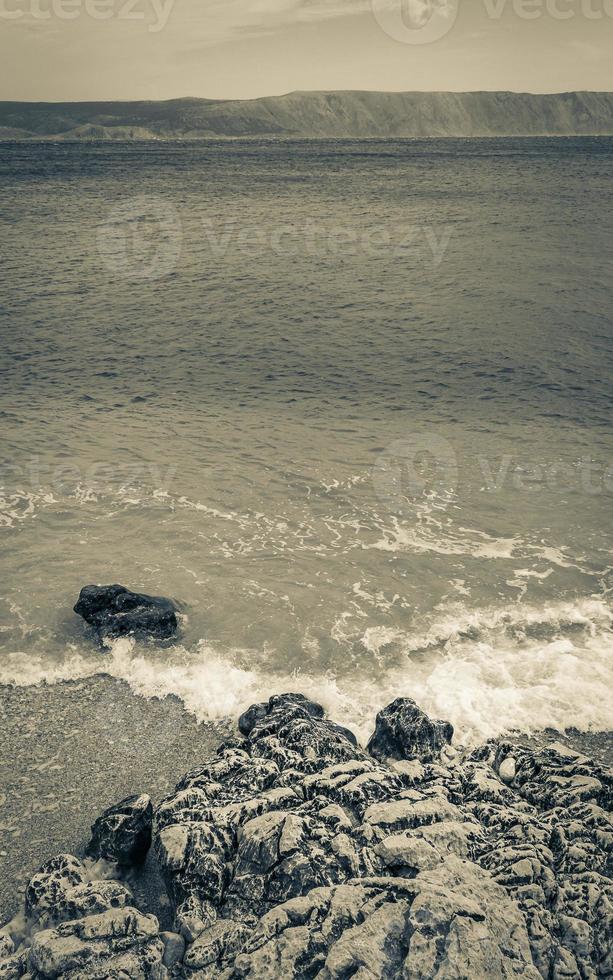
(347,402)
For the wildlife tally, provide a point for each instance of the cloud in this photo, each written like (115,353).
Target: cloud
(221,20)
(224,19)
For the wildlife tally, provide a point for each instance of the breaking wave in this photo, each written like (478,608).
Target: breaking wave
(488,671)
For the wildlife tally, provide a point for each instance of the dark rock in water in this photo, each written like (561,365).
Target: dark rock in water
(123,832)
(115,611)
(404,731)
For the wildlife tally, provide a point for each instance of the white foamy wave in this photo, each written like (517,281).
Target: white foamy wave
(210,685)
(514,622)
(431,535)
(489,672)
(19,505)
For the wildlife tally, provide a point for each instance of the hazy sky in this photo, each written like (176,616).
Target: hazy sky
(157,49)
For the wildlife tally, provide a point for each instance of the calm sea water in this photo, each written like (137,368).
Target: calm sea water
(348,403)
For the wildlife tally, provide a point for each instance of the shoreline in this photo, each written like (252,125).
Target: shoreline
(74,748)
(292,852)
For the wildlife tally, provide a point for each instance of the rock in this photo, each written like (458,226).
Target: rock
(121,941)
(297,854)
(217,946)
(465,925)
(123,832)
(249,717)
(294,854)
(13,967)
(46,889)
(174,949)
(404,731)
(115,611)
(507,769)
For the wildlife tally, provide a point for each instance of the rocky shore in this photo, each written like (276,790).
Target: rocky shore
(294,852)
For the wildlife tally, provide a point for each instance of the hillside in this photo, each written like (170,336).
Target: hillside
(317,114)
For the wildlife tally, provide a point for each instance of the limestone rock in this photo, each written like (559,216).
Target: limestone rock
(13,964)
(174,949)
(103,945)
(294,854)
(123,832)
(465,925)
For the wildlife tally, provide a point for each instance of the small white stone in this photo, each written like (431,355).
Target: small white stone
(507,769)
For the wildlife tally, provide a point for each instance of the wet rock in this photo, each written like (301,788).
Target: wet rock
(110,944)
(174,949)
(294,854)
(465,925)
(217,946)
(115,611)
(123,832)
(404,731)
(13,966)
(549,842)
(61,890)
(51,881)
(507,769)
(249,717)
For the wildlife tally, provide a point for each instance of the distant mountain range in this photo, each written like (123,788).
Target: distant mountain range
(316,114)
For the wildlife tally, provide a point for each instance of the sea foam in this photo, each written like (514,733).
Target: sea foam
(487,671)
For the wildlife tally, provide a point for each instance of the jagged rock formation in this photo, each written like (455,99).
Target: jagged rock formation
(292,853)
(318,114)
(115,611)
(123,832)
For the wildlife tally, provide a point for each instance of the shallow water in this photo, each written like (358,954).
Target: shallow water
(348,403)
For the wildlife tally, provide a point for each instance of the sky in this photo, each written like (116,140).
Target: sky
(54,50)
